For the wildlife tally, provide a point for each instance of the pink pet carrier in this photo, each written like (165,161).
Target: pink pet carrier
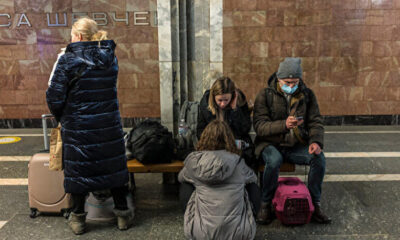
(292,201)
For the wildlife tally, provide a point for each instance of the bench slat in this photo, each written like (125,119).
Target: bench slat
(137,167)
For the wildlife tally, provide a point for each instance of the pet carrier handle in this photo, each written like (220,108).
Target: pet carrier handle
(44,125)
(291,182)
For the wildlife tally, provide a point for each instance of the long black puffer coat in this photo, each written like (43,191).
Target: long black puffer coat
(93,144)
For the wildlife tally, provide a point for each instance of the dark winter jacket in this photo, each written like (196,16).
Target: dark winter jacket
(238,120)
(93,144)
(269,119)
(219,208)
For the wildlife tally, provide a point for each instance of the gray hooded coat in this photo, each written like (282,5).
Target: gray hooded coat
(219,208)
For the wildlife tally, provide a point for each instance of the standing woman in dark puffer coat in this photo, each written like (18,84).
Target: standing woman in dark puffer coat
(82,95)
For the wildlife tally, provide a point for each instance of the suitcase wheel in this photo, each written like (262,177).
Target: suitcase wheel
(34,213)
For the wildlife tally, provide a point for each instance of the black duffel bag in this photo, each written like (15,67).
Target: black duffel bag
(150,142)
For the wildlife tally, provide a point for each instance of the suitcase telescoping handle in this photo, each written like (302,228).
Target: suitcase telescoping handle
(45,137)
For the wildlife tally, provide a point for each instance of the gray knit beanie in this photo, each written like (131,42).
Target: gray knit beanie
(290,68)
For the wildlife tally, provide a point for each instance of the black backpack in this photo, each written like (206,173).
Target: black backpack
(150,142)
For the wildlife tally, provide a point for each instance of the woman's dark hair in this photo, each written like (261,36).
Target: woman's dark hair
(217,136)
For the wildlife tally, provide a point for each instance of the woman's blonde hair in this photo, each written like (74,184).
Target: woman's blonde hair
(87,27)
(217,136)
(222,85)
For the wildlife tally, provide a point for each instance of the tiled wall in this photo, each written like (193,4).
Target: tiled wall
(350,49)
(27,54)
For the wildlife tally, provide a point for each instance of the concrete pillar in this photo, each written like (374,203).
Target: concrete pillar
(190,45)
(168,47)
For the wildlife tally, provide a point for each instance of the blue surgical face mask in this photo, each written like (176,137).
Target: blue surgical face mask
(288,89)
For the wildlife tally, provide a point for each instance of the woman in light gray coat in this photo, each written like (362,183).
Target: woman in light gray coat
(219,207)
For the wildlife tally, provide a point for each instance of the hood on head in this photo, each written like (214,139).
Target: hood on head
(211,167)
(95,54)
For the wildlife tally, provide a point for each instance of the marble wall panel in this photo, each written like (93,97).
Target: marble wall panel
(137,5)
(348,48)
(381,107)
(343,4)
(274,17)
(7,7)
(319,4)
(258,49)
(242,5)
(27,53)
(366,48)
(7,82)
(140,111)
(216,25)
(330,49)
(81,5)
(232,34)
(14,111)
(363,4)
(36,111)
(7,97)
(274,49)
(5,52)
(382,4)
(7,38)
(247,18)
(9,67)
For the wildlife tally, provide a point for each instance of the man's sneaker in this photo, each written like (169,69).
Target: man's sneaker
(265,215)
(318,216)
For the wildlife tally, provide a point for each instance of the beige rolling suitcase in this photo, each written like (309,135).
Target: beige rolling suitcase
(46,187)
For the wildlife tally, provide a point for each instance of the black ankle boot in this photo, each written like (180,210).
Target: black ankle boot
(318,216)
(265,215)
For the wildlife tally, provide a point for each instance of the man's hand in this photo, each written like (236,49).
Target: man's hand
(314,148)
(292,122)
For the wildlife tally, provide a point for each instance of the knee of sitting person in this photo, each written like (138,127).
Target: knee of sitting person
(272,157)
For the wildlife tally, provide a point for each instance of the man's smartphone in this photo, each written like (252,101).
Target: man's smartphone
(299,118)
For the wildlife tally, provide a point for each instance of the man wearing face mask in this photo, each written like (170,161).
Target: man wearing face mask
(289,128)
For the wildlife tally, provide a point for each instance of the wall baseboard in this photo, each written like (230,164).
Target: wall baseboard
(361,120)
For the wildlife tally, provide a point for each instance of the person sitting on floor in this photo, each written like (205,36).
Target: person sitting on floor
(218,189)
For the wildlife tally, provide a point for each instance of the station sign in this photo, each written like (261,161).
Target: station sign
(61,20)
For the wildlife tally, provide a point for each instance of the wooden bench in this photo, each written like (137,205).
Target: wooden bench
(135,166)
